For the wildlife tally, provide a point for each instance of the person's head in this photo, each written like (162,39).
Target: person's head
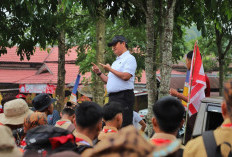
(227,103)
(6,98)
(118,44)
(43,103)
(112,112)
(89,116)
(7,143)
(189,59)
(33,120)
(168,115)
(14,113)
(68,113)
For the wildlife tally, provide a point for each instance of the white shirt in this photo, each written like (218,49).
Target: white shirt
(136,120)
(123,63)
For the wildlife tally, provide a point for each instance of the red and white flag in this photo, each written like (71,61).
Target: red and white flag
(197,82)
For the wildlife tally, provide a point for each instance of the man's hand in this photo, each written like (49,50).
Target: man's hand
(95,68)
(173,92)
(105,66)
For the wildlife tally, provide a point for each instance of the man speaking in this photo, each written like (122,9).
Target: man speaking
(120,80)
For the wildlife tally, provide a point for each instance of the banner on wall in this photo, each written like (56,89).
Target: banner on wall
(37,88)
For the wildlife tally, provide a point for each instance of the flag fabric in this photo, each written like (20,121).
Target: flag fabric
(197,82)
(73,97)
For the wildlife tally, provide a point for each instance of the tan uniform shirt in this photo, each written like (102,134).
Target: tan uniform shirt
(107,131)
(66,124)
(196,146)
(83,140)
(163,138)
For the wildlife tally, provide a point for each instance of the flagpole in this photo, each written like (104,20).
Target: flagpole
(190,86)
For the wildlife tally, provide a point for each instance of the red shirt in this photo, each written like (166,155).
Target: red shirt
(207,89)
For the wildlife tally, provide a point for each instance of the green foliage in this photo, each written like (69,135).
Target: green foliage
(32,23)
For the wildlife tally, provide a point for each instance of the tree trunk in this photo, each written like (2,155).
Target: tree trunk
(98,86)
(60,89)
(221,76)
(149,60)
(166,64)
(220,59)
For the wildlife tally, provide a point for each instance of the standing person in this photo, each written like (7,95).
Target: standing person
(120,80)
(219,140)
(67,120)
(14,113)
(43,103)
(112,116)
(184,96)
(138,122)
(168,118)
(88,125)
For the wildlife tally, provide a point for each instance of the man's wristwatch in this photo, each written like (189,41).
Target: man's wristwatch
(98,74)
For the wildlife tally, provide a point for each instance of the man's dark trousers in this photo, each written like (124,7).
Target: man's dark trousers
(127,99)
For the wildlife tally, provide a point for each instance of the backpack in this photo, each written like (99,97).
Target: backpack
(212,149)
(46,140)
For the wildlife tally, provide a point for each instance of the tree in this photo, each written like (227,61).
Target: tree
(149,61)
(28,23)
(166,47)
(218,14)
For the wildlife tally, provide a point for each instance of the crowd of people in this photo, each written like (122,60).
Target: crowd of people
(89,130)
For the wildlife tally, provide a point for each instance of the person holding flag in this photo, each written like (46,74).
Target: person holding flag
(196,87)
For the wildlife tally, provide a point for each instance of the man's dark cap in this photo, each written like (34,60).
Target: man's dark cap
(117,38)
(42,101)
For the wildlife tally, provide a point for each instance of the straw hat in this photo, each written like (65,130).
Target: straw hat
(14,112)
(7,143)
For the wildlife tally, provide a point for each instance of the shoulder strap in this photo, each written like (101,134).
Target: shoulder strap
(210,143)
(218,151)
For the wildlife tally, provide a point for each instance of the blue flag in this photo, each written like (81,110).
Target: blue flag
(73,97)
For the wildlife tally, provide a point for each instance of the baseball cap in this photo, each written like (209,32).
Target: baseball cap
(117,38)
(21,96)
(42,101)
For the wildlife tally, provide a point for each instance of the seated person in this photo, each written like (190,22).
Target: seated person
(112,116)
(168,118)
(67,119)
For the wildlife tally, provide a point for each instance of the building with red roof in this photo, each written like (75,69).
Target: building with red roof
(38,73)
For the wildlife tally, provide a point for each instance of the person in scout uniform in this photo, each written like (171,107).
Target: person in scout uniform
(67,119)
(88,124)
(168,118)
(112,116)
(222,135)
